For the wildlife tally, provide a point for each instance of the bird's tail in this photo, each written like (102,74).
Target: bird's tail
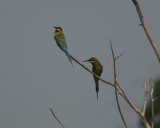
(97,89)
(69,58)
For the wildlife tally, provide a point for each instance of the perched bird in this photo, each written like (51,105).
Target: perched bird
(97,69)
(61,41)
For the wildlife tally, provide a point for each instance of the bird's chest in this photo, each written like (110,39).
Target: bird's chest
(59,37)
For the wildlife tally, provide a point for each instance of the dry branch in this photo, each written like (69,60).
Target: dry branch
(152,99)
(116,83)
(57,118)
(145,97)
(146,29)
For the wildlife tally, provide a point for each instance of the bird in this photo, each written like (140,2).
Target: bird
(97,68)
(61,41)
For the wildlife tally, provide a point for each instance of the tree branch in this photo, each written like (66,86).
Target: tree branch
(115,83)
(57,118)
(146,29)
(152,99)
(145,97)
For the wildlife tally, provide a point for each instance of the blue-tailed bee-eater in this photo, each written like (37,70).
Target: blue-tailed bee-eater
(61,41)
(97,69)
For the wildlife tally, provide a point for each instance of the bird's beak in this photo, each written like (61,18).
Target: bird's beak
(85,61)
(54,27)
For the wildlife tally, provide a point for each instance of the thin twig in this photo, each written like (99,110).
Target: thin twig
(152,99)
(118,56)
(110,64)
(145,100)
(146,29)
(145,97)
(115,83)
(56,118)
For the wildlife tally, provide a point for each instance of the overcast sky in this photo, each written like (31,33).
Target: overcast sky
(35,75)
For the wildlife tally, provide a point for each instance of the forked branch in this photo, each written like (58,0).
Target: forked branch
(116,83)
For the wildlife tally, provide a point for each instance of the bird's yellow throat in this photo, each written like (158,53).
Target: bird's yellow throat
(57,31)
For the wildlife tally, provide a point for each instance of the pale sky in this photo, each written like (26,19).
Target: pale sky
(35,75)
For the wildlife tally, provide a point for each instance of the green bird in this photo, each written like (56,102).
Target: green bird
(97,68)
(61,41)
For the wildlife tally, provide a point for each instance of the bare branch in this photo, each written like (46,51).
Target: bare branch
(57,118)
(118,56)
(110,64)
(145,100)
(152,99)
(145,97)
(146,29)
(115,83)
